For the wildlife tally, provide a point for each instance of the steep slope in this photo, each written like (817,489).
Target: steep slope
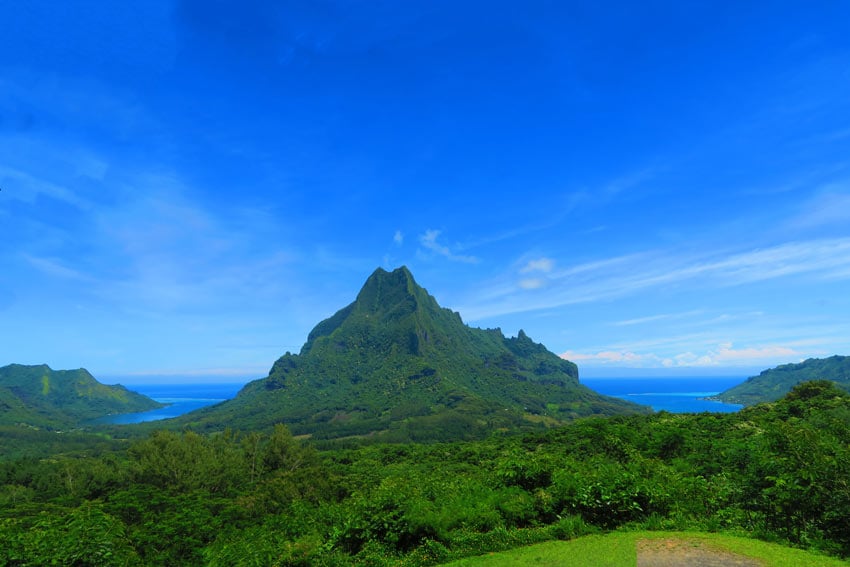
(42,397)
(397,365)
(774,383)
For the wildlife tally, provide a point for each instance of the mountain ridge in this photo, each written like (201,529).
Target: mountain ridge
(39,396)
(396,365)
(773,383)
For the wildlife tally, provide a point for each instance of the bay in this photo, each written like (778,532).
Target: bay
(181,399)
(675,395)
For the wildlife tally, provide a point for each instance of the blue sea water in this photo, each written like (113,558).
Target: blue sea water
(676,395)
(181,398)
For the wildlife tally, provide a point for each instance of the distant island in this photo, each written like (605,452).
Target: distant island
(774,383)
(39,396)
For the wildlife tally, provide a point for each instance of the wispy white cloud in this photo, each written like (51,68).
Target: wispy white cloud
(719,355)
(398,238)
(632,274)
(737,339)
(654,318)
(830,207)
(629,181)
(534,273)
(605,193)
(154,249)
(726,353)
(809,336)
(428,240)
(732,339)
(25,187)
(55,268)
(539,265)
(569,203)
(614,358)
(531,283)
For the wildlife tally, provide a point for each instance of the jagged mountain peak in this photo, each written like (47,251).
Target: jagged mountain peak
(387,299)
(385,290)
(400,277)
(395,365)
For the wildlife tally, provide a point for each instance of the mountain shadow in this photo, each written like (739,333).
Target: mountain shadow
(395,366)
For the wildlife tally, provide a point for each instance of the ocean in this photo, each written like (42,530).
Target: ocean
(676,395)
(181,398)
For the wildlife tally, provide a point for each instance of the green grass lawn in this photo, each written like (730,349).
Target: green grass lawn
(618,550)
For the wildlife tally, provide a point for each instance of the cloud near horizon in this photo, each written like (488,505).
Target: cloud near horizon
(722,355)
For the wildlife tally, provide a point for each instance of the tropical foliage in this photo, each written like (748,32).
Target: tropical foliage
(774,471)
(323,462)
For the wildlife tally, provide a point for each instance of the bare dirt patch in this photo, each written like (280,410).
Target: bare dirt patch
(675,552)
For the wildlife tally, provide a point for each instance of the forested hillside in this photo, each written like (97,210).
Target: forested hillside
(395,366)
(38,396)
(774,383)
(774,471)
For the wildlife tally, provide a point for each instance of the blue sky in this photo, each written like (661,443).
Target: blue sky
(189,187)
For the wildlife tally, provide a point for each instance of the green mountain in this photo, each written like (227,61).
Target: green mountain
(42,397)
(774,383)
(396,366)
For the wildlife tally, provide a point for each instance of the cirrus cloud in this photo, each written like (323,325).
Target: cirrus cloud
(544,265)
(628,275)
(428,240)
(723,354)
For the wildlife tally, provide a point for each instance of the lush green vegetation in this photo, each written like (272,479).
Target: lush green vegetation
(396,366)
(515,457)
(619,550)
(772,384)
(18,442)
(37,396)
(773,471)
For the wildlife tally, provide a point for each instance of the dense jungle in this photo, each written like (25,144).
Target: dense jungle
(775,471)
